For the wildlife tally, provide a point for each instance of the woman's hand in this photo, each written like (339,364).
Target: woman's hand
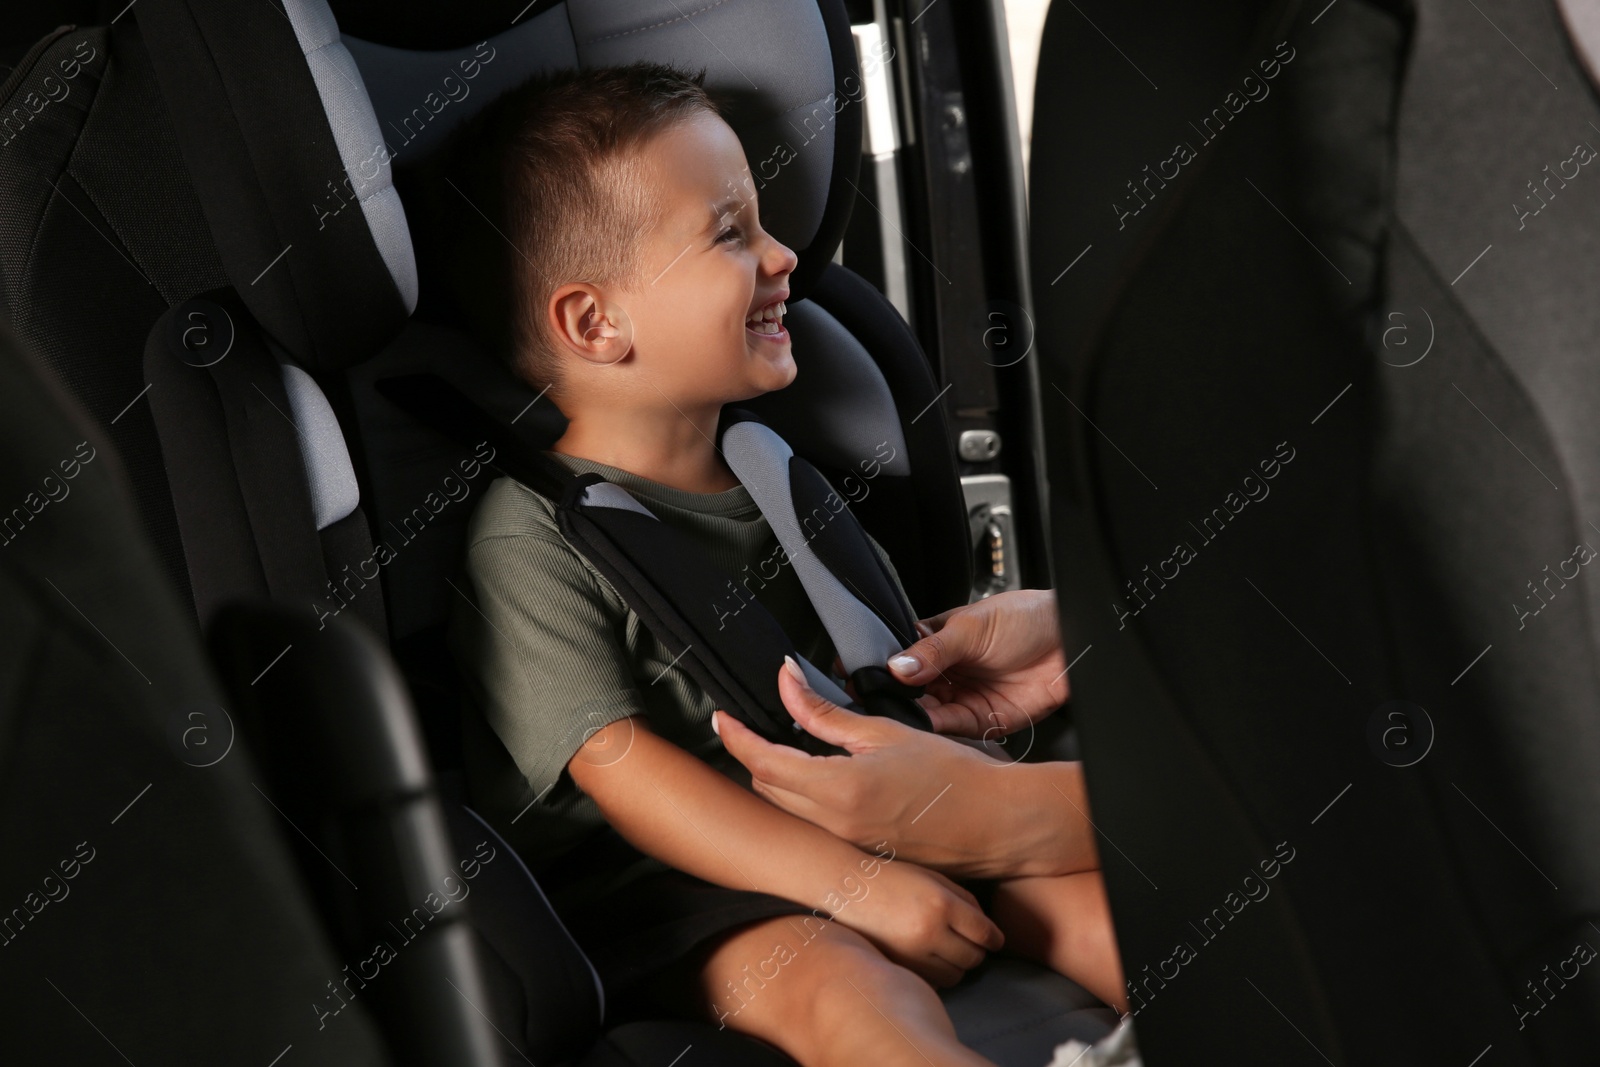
(990,668)
(939,802)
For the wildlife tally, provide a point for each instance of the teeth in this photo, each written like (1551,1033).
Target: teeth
(768,317)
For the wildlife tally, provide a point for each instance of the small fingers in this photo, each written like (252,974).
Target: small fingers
(978,928)
(961,953)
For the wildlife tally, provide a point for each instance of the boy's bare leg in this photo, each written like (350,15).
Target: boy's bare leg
(821,993)
(1064,922)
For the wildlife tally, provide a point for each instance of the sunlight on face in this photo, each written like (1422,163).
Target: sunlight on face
(709,265)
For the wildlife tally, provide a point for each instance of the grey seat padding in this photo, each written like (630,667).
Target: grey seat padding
(779,95)
(356,133)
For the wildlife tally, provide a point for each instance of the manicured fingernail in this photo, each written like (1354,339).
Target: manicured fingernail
(795,672)
(905,664)
(714,727)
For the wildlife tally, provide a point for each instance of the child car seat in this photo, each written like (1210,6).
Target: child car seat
(866,378)
(183,252)
(1337,392)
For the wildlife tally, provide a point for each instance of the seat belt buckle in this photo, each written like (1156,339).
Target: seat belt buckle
(880,693)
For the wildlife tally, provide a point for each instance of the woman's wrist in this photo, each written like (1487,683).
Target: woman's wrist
(1043,826)
(1001,819)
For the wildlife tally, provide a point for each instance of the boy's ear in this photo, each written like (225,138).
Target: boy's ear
(589,325)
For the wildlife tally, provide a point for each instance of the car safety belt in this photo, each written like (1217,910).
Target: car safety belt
(682,597)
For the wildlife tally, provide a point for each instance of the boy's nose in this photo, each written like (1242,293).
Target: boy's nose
(783,258)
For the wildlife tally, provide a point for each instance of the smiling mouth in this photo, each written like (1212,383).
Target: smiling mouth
(768,322)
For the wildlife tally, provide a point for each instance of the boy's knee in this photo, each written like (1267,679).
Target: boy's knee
(851,977)
(794,965)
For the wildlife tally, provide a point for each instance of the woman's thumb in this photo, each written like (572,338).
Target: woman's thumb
(926,659)
(816,714)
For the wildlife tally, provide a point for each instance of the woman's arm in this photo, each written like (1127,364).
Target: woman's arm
(942,804)
(671,805)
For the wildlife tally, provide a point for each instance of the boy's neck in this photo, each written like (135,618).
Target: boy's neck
(673,448)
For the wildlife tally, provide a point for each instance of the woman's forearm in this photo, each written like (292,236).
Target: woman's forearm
(674,807)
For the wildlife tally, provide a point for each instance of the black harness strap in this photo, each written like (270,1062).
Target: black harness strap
(675,589)
(668,581)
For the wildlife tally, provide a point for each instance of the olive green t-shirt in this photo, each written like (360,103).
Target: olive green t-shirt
(550,652)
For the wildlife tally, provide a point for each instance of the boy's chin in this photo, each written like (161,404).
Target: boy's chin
(787,371)
(769,381)
(773,363)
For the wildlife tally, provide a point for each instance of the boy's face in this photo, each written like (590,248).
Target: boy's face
(708,267)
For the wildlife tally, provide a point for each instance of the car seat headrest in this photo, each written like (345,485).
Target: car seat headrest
(356,133)
(782,74)
(277,157)
(276,150)
(840,410)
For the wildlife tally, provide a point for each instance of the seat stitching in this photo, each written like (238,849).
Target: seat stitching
(810,103)
(667,22)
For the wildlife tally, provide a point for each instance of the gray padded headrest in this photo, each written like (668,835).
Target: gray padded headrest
(838,411)
(421,97)
(779,92)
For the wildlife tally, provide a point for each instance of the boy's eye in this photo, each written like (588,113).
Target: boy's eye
(731,231)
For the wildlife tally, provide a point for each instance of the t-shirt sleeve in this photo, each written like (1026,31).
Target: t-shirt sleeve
(549,656)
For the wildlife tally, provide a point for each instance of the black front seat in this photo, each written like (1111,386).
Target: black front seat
(1330,433)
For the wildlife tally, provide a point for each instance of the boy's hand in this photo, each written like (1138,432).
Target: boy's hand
(923,921)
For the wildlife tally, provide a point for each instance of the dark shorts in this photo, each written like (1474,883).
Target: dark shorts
(661,921)
(652,924)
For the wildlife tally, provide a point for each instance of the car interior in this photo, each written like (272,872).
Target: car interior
(236,720)
(296,418)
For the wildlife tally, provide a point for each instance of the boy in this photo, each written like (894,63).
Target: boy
(632,280)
